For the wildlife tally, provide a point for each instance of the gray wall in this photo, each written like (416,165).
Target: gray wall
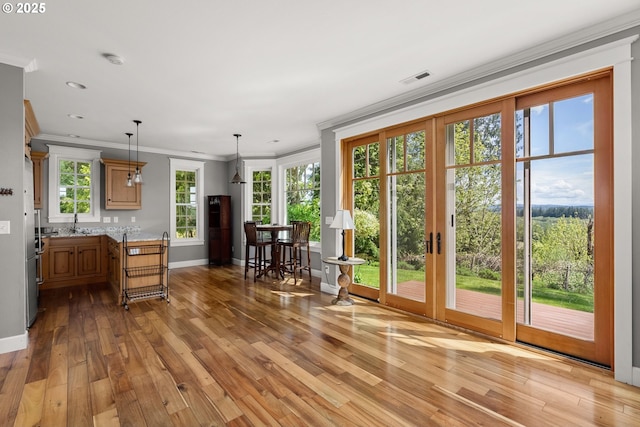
(12,246)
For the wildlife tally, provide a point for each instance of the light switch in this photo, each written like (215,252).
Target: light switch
(328,220)
(5,227)
(106,219)
(115,219)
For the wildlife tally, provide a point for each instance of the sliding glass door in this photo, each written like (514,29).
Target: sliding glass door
(495,218)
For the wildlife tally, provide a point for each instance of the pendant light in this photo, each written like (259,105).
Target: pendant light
(137,177)
(236,178)
(129,182)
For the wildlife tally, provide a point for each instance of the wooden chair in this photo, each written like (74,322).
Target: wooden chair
(259,260)
(297,241)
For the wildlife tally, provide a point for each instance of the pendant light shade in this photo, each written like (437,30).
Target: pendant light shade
(237,179)
(129,181)
(137,177)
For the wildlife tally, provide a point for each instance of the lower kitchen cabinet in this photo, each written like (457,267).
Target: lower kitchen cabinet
(75,261)
(114,272)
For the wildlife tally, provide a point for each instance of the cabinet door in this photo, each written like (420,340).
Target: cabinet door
(117,194)
(38,158)
(62,262)
(88,260)
(225,211)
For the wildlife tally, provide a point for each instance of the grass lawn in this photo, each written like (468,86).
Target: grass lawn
(369,275)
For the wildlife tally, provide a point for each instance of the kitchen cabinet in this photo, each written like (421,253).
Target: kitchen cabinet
(114,269)
(37,157)
(75,261)
(145,265)
(117,194)
(31,127)
(219,229)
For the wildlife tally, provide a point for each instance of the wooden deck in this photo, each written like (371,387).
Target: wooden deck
(578,324)
(231,352)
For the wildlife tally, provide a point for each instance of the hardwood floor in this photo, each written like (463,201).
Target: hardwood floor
(231,352)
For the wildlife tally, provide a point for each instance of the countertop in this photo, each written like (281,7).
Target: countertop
(133,233)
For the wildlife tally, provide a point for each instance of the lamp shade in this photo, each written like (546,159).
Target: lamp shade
(342,220)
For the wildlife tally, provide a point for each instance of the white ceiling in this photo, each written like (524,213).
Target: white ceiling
(196,72)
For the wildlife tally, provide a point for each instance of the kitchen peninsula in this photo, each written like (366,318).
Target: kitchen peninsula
(93,255)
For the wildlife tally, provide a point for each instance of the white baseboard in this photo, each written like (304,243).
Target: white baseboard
(636,376)
(189,263)
(329,288)
(14,343)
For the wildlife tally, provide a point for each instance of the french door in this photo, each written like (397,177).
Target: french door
(496,218)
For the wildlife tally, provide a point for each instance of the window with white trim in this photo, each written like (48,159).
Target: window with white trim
(187,202)
(74,184)
(302,196)
(261,196)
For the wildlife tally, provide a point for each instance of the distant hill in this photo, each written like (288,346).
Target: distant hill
(558,211)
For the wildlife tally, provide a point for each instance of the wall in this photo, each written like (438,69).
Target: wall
(12,246)
(154,215)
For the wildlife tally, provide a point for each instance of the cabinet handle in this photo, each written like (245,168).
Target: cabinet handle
(70,252)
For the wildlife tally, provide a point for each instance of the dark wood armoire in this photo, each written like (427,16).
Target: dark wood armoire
(219,230)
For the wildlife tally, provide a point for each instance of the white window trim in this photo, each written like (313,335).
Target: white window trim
(56,153)
(306,157)
(277,168)
(198,168)
(251,166)
(616,54)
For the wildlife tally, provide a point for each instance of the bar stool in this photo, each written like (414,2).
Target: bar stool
(259,261)
(299,239)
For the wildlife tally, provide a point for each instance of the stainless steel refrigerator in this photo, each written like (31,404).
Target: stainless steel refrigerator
(31,255)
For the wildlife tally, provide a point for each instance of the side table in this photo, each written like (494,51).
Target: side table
(344,279)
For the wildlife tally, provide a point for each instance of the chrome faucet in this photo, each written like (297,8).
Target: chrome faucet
(75,223)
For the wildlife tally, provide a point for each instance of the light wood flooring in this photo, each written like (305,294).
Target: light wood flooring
(231,352)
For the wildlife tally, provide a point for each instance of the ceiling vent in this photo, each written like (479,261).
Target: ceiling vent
(416,77)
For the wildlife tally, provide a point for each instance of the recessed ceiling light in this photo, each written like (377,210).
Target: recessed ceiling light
(114,59)
(75,116)
(76,85)
(73,136)
(273,141)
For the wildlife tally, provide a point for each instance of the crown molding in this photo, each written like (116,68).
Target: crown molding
(121,146)
(28,64)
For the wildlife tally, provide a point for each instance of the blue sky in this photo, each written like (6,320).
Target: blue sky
(562,180)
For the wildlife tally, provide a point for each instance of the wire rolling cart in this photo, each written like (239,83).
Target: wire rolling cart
(145,273)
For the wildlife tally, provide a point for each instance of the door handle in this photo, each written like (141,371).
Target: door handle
(438,242)
(429,244)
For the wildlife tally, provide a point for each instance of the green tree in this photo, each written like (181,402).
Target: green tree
(562,257)
(478,191)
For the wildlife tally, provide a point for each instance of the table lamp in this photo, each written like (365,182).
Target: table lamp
(343,221)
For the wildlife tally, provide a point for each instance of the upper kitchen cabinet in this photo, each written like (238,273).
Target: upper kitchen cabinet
(117,194)
(37,157)
(31,127)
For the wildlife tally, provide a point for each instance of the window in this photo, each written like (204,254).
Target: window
(261,199)
(285,190)
(74,184)
(302,195)
(187,202)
